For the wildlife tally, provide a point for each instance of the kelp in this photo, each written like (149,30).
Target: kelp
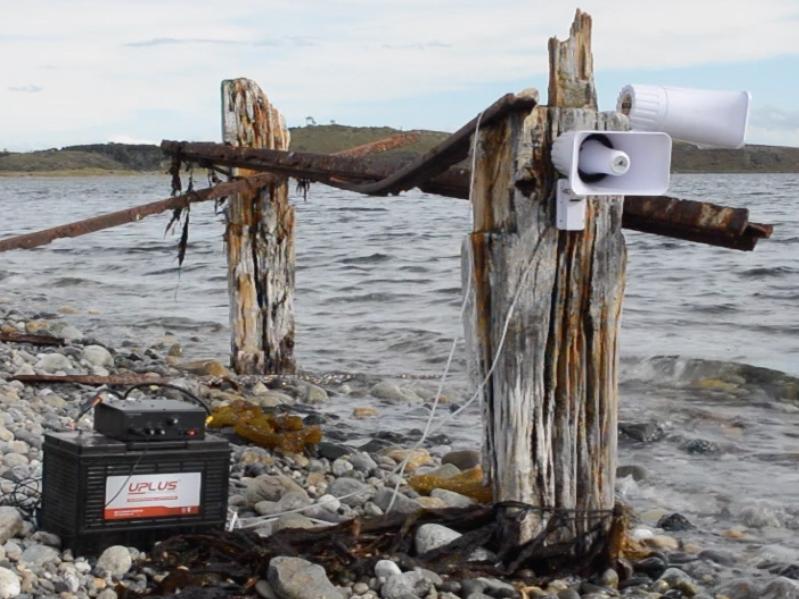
(468,483)
(284,432)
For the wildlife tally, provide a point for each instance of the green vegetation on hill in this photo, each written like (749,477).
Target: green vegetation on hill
(327,139)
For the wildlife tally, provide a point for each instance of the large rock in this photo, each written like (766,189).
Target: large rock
(393,392)
(38,555)
(295,578)
(451,498)
(464,459)
(268,487)
(405,586)
(97,355)
(433,536)
(9,584)
(115,561)
(402,504)
(10,523)
(350,491)
(53,363)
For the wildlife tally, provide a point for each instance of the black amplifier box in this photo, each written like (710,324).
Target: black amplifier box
(98,492)
(150,419)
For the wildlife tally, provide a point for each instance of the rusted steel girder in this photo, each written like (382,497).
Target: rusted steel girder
(701,222)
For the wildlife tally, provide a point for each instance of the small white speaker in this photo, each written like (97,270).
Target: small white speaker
(708,118)
(614,162)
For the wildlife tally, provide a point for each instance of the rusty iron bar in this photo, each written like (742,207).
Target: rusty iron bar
(33,339)
(90,379)
(701,222)
(136,213)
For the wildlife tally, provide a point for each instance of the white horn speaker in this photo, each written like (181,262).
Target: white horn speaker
(708,118)
(614,162)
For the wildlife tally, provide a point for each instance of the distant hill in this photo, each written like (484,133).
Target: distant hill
(326,139)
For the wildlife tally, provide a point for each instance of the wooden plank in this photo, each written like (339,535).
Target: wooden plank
(259,240)
(542,328)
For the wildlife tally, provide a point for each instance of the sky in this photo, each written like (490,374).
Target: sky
(88,71)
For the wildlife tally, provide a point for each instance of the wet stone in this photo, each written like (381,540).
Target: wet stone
(700,447)
(643,432)
(675,522)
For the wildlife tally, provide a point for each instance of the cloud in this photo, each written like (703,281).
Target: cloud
(173,41)
(128,139)
(417,46)
(26,89)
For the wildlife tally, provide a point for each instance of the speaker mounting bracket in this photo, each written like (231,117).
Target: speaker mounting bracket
(569,208)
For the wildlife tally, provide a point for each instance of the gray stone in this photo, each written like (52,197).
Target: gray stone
(13,460)
(451,498)
(97,355)
(264,590)
(643,432)
(781,588)
(47,538)
(464,459)
(341,466)
(637,472)
(293,521)
(267,487)
(363,462)
(350,491)
(740,589)
(53,363)
(314,394)
(38,555)
(115,561)
(13,551)
(610,579)
(9,584)
(290,501)
(433,536)
(392,392)
(719,556)
(385,568)
(405,586)
(295,578)
(677,579)
(445,471)
(10,523)
(402,504)
(107,594)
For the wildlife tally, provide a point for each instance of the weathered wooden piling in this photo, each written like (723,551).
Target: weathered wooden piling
(259,239)
(543,327)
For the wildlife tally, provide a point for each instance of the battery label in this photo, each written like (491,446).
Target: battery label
(152,495)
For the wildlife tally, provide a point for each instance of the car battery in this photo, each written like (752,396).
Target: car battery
(98,491)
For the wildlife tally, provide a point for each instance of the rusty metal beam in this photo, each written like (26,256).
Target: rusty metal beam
(701,222)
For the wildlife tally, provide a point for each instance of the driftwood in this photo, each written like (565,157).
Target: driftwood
(89,379)
(542,329)
(32,339)
(259,240)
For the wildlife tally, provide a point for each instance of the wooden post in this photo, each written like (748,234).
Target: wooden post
(552,299)
(259,239)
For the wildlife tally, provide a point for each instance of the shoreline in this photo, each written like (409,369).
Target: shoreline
(272,491)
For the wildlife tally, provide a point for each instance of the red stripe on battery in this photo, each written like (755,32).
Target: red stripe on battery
(155,511)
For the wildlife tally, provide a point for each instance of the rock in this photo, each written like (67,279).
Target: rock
(314,394)
(66,331)
(9,584)
(97,355)
(107,594)
(433,536)
(781,588)
(385,568)
(363,462)
(700,447)
(719,556)
(271,399)
(341,466)
(175,350)
(10,523)
(392,392)
(415,457)
(46,538)
(115,561)
(350,491)
(464,459)
(431,503)
(654,567)
(364,412)
(760,516)
(609,579)
(267,487)
(664,542)
(637,472)
(643,432)
(675,522)
(497,588)
(293,521)
(13,460)
(402,504)
(677,579)
(38,555)
(264,590)
(452,499)
(406,586)
(55,362)
(292,500)
(740,589)
(295,578)
(204,368)
(332,451)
